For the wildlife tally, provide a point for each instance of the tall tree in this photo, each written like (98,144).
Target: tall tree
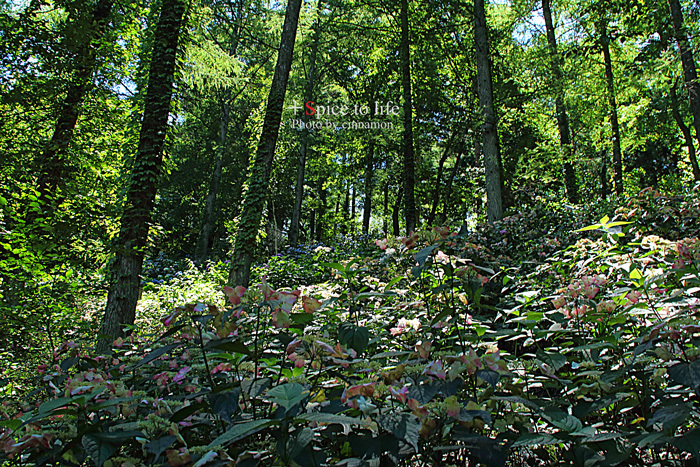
(52,161)
(304,136)
(604,37)
(369,184)
(562,117)
(489,130)
(438,179)
(685,129)
(690,74)
(208,224)
(133,234)
(225,97)
(244,247)
(409,202)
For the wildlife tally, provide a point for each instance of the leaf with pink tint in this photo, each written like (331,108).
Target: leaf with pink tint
(310,304)
(452,406)
(234,294)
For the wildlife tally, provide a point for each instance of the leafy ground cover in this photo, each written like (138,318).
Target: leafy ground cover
(551,337)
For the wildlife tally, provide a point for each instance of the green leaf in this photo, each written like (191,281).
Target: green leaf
(11,424)
(99,450)
(287,395)
(422,256)
(228,344)
(224,404)
(156,447)
(240,431)
(688,442)
(554,360)
(392,283)
(185,412)
(356,337)
(301,318)
(687,374)
(590,227)
(255,387)
(329,418)
(564,421)
(48,406)
(156,353)
(297,443)
(403,426)
(670,417)
(488,376)
(534,439)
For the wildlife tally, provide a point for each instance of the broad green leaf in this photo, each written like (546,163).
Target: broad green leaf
(329,418)
(534,439)
(157,446)
(356,337)
(157,353)
(403,426)
(287,395)
(687,374)
(11,424)
(422,256)
(240,431)
(224,404)
(228,344)
(98,449)
(392,283)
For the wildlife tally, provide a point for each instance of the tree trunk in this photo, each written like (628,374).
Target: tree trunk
(395,214)
(438,178)
(386,208)
(562,117)
(254,201)
(346,207)
(369,186)
(604,175)
(612,103)
(448,187)
(690,75)
(133,233)
(52,160)
(304,137)
(209,222)
(489,130)
(408,152)
(686,132)
(322,196)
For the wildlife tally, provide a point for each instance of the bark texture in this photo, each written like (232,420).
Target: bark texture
(489,130)
(209,221)
(687,134)
(602,27)
(562,117)
(133,234)
(690,75)
(258,183)
(304,138)
(408,150)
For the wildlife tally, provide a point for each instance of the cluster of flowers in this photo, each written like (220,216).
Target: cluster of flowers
(299,350)
(688,252)
(587,287)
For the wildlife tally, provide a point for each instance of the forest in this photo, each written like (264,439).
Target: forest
(357,233)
